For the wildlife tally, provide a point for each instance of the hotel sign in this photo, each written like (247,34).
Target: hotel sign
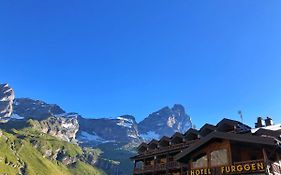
(253,167)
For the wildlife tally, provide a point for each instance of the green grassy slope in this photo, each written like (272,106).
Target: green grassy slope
(7,158)
(26,150)
(82,168)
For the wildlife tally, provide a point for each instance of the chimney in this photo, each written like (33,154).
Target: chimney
(268,121)
(260,122)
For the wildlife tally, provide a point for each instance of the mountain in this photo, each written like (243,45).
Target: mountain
(64,127)
(165,122)
(122,129)
(106,143)
(6,102)
(35,109)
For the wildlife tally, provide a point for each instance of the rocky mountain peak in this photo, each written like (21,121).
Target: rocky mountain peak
(165,121)
(129,117)
(178,108)
(7,97)
(35,109)
(126,121)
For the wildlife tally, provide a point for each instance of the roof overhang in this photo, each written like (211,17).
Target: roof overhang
(185,154)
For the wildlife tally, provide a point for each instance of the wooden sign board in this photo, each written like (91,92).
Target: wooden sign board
(243,168)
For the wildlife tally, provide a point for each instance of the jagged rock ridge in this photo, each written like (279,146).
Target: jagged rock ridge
(64,126)
(7,97)
(35,109)
(165,121)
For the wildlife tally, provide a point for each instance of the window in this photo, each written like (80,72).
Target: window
(201,161)
(219,157)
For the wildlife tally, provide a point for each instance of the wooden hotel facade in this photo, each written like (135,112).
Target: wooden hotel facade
(230,147)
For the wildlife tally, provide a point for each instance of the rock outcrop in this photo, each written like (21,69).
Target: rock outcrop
(63,127)
(7,97)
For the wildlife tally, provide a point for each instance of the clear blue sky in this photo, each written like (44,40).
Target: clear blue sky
(108,58)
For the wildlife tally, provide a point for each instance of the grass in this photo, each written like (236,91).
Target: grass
(47,142)
(17,149)
(36,164)
(6,156)
(82,168)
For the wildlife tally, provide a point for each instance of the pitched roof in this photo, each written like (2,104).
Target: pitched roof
(228,121)
(206,129)
(164,138)
(177,134)
(189,134)
(142,145)
(222,135)
(153,141)
(267,132)
(191,131)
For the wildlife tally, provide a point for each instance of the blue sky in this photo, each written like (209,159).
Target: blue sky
(108,58)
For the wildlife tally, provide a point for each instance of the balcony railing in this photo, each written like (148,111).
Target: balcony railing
(169,148)
(159,167)
(274,167)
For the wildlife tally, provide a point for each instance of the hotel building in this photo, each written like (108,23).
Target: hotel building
(230,147)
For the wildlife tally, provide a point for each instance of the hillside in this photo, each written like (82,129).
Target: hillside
(28,151)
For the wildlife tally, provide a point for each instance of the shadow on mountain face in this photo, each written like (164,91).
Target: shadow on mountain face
(18,124)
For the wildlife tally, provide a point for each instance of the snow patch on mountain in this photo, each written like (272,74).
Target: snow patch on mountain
(171,121)
(16,117)
(92,137)
(125,122)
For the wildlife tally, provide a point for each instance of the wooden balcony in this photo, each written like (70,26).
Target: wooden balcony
(179,146)
(274,167)
(159,167)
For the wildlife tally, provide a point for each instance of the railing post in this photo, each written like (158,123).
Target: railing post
(181,169)
(154,164)
(267,171)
